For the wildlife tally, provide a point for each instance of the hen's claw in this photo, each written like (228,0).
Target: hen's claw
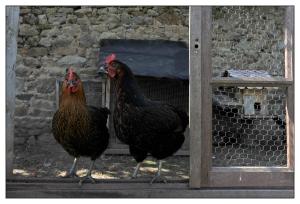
(158,179)
(105,158)
(87,177)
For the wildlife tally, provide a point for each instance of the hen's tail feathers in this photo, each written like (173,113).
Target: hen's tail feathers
(184,118)
(106,111)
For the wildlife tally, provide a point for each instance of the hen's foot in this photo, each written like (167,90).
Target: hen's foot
(85,178)
(105,158)
(72,171)
(158,179)
(136,170)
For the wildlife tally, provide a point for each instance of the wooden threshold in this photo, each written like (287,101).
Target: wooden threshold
(251,177)
(55,188)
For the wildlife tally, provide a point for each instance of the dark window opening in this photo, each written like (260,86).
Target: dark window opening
(257,106)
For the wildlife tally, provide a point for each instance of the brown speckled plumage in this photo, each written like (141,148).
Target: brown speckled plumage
(80,129)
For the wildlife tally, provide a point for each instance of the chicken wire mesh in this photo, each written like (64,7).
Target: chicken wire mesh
(248,37)
(175,92)
(249,126)
(248,122)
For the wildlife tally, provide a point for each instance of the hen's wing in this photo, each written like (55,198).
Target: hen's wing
(98,131)
(149,125)
(99,115)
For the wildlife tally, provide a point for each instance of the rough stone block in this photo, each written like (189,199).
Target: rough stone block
(50,32)
(89,39)
(23,71)
(71,59)
(62,40)
(33,41)
(24,96)
(30,19)
(42,104)
(37,51)
(32,62)
(57,19)
(65,10)
(71,30)
(46,42)
(42,19)
(45,85)
(28,30)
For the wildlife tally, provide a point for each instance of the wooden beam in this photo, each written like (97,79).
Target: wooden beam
(254,82)
(254,178)
(12,20)
(289,74)
(200,95)
(251,169)
(115,189)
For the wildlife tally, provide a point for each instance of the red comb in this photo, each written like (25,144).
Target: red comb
(110,58)
(70,73)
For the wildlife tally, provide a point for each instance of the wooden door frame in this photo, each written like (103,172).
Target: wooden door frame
(12,26)
(202,173)
(200,95)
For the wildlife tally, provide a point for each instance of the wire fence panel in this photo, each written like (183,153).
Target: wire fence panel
(249,127)
(248,37)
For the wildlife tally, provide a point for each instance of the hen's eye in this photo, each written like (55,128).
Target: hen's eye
(115,65)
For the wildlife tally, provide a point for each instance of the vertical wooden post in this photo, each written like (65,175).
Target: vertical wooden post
(12,20)
(289,74)
(200,95)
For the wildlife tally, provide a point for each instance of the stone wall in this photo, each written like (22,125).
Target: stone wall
(53,38)
(248,37)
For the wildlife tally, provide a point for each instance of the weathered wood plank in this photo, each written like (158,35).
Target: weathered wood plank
(206,115)
(65,181)
(12,19)
(222,81)
(137,190)
(289,74)
(200,95)
(251,169)
(195,97)
(152,193)
(251,179)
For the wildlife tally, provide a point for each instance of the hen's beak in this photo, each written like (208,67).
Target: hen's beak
(71,83)
(103,69)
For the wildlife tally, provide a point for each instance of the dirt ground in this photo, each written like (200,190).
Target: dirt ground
(36,161)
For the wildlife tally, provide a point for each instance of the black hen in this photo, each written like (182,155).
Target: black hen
(80,129)
(146,126)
